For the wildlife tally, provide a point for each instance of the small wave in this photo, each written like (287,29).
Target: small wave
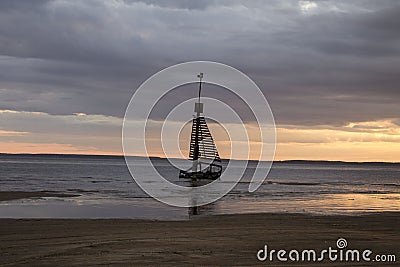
(82,190)
(292,183)
(388,184)
(274,182)
(374,192)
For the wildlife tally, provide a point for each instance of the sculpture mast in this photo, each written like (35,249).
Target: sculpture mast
(198,108)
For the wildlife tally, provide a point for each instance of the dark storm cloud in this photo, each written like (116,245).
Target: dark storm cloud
(321,62)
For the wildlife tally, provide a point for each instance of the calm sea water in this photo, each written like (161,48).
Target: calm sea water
(106,189)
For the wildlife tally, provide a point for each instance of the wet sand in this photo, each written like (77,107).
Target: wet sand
(217,240)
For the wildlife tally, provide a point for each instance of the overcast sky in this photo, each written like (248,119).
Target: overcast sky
(323,65)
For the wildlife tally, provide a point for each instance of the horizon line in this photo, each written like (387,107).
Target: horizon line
(121,155)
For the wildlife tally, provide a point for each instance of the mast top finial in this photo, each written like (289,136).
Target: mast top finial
(199,106)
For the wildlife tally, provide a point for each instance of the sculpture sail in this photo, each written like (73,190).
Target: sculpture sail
(203,152)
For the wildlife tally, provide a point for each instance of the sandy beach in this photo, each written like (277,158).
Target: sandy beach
(216,240)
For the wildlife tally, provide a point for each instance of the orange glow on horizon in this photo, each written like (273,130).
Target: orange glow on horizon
(360,142)
(33,148)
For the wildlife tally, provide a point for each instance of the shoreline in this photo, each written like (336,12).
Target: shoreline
(211,240)
(73,205)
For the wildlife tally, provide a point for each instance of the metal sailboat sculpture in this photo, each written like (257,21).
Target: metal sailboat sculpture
(203,152)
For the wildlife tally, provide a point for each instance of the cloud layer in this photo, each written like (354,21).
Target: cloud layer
(317,62)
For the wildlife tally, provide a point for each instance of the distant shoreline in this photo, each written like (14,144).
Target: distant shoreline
(293,161)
